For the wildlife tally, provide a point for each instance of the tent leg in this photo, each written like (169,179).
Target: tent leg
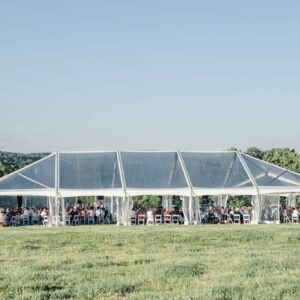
(125,210)
(191,210)
(51,211)
(196,209)
(119,222)
(112,205)
(185,209)
(255,209)
(63,211)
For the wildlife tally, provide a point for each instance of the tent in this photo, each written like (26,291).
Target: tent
(124,174)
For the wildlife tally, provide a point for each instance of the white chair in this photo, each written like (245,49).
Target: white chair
(167,219)
(102,216)
(100,219)
(150,219)
(286,219)
(295,219)
(25,220)
(141,219)
(82,219)
(91,219)
(35,219)
(45,221)
(76,220)
(158,219)
(175,219)
(67,220)
(229,219)
(236,219)
(13,221)
(247,219)
(107,219)
(133,220)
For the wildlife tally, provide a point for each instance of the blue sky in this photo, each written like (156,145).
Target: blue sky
(205,75)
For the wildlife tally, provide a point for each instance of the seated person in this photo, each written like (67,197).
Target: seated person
(133,213)
(103,209)
(26,212)
(166,212)
(175,210)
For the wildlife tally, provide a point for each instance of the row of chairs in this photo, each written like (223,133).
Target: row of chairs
(294,219)
(80,220)
(237,219)
(154,220)
(24,220)
(77,220)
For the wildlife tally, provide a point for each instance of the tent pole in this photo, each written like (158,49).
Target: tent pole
(191,213)
(118,210)
(257,199)
(50,215)
(189,183)
(112,205)
(63,208)
(123,181)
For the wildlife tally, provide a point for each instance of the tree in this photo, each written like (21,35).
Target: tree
(283,157)
(255,152)
(232,149)
(147,201)
(87,200)
(14,161)
(239,201)
(2,170)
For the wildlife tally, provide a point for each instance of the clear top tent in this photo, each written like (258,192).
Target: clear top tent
(124,174)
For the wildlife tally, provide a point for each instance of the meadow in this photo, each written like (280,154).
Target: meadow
(150,262)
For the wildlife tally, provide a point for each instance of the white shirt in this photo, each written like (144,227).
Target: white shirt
(43,213)
(26,212)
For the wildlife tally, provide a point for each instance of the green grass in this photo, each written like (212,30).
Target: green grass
(158,262)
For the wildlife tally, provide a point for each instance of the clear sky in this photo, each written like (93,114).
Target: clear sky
(159,74)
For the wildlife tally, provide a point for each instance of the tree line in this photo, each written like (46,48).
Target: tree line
(282,157)
(11,161)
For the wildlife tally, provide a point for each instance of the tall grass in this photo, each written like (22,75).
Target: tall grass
(158,262)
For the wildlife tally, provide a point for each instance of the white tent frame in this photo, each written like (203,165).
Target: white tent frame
(189,192)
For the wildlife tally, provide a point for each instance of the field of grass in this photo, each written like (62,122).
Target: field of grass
(159,262)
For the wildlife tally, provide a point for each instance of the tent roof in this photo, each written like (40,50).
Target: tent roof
(113,173)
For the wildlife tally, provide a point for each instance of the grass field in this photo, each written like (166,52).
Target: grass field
(160,262)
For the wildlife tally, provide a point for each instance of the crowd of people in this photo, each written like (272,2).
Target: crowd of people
(81,214)
(221,215)
(289,214)
(22,216)
(148,216)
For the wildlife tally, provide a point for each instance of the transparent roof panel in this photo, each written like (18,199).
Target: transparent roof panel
(216,170)
(89,171)
(270,175)
(153,170)
(17,182)
(42,171)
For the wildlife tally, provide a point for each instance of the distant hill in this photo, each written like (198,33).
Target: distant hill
(10,161)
